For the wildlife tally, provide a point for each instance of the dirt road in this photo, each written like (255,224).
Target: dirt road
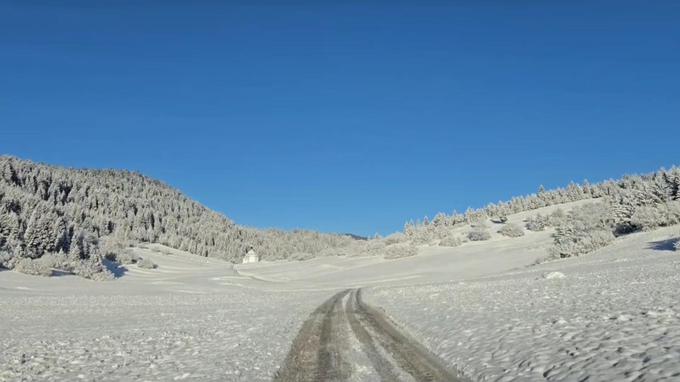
(345,339)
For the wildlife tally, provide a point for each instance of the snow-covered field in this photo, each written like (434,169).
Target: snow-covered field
(483,307)
(610,316)
(241,335)
(183,321)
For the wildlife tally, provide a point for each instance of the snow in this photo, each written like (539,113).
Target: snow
(614,315)
(193,337)
(181,321)
(485,307)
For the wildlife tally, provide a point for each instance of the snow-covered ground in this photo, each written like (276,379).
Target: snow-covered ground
(483,307)
(182,321)
(613,315)
(432,264)
(237,336)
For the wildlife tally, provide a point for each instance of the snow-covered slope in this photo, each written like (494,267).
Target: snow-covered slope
(610,316)
(432,264)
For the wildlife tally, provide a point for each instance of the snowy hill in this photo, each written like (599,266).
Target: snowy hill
(70,219)
(77,216)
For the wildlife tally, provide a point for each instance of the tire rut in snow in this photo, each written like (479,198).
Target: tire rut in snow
(382,366)
(312,356)
(410,355)
(331,366)
(320,350)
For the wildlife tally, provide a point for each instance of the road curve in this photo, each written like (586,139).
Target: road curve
(345,339)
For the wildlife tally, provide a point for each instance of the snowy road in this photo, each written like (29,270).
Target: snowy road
(345,339)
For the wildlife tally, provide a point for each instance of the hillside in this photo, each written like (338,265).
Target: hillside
(70,219)
(616,208)
(80,215)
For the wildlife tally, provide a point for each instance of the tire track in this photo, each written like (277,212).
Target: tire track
(411,356)
(320,352)
(309,358)
(330,364)
(382,366)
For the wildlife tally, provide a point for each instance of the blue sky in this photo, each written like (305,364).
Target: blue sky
(344,118)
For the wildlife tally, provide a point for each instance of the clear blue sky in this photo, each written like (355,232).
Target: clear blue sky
(345,118)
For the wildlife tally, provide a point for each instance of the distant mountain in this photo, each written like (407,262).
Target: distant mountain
(80,215)
(355,237)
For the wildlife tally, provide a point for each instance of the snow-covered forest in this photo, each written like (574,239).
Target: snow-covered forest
(633,203)
(77,216)
(72,218)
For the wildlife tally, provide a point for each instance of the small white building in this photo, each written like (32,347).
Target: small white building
(251,257)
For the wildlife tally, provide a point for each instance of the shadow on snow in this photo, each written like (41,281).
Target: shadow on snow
(117,270)
(663,245)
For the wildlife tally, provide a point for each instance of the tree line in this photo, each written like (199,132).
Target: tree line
(630,204)
(81,215)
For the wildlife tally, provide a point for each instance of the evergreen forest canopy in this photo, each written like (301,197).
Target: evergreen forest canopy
(82,214)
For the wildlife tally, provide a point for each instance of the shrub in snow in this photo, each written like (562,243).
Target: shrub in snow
(373,248)
(422,238)
(479,233)
(5,259)
(658,215)
(450,241)
(342,251)
(111,245)
(299,256)
(127,257)
(59,261)
(475,216)
(425,233)
(586,229)
(647,218)
(511,230)
(396,251)
(146,263)
(33,267)
(429,233)
(358,248)
(673,212)
(45,265)
(536,223)
(91,269)
(585,242)
(500,219)
(104,275)
(557,217)
(111,257)
(395,238)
